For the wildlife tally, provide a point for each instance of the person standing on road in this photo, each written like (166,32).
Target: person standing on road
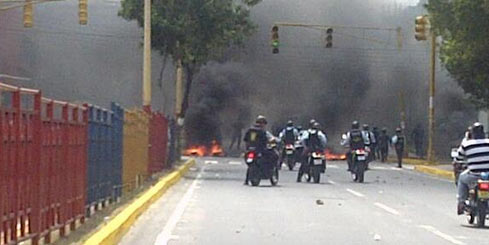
(375,147)
(384,142)
(369,143)
(418,139)
(257,138)
(237,128)
(474,151)
(398,141)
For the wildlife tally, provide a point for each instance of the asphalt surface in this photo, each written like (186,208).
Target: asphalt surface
(394,206)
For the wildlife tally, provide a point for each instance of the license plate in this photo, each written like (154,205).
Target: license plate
(483,194)
(361,158)
(318,161)
(289,152)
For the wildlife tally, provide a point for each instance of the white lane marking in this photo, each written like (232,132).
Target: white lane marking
(331,182)
(386,208)
(332,166)
(358,194)
(211,162)
(379,168)
(441,234)
(166,234)
(235,163)
(395,168)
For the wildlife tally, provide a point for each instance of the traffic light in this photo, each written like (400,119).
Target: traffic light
(421,28)
(275,41)
(28,14)
(329,38)
(82,12)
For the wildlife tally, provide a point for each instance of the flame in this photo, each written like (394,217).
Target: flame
(195,151)
(333,156)
(201,150)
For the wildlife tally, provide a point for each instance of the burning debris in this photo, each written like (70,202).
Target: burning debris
(214,149)
(330,156)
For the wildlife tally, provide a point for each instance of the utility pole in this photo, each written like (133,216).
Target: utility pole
(147,57)
(178,109)
(403,126)
(431,116)
(422,25)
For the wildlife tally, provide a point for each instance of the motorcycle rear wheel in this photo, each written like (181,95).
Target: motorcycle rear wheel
(316,174)
(290,162)
(254,175)
(481,214)
(361,171)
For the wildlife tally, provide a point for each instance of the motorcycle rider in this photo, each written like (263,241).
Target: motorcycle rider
(288,136)
(475,153)
(398,140)
(257,138)
(299,147)
(384,142)
(355,139)
(369,144)
(313,140)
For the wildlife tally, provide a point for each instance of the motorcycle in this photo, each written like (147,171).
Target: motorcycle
(261,168)
(290,156)
(317,165)
(359,165)
(477,204)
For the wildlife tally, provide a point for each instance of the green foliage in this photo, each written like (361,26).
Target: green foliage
(464,28)
(195,31)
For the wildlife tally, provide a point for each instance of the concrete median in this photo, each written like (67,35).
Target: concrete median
(117,226)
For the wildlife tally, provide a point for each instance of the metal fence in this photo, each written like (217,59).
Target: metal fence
(58,160)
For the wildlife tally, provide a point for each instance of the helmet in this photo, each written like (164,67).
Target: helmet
(365,127)
(290,123)
(478,131)
(355,125)
(299,128)
(261,120)
(384,130)
(398,130)
(311,123)
(316,125)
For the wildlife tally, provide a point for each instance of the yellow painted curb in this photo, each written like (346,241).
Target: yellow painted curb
(113,231)
(435,171)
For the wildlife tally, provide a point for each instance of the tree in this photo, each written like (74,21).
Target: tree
(194,31)
(464,28)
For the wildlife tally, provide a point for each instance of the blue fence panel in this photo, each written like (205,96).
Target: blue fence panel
(117,146)
(104,168)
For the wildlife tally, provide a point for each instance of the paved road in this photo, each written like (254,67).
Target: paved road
(212,206)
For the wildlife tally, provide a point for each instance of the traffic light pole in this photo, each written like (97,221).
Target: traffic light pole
(147,56)
(431,115)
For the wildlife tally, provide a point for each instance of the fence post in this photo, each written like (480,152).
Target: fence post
(35,216)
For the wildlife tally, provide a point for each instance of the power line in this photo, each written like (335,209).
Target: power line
(71,33)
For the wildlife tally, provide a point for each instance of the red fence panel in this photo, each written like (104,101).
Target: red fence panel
(158,140)
(63,165)
(19,127)
(43,146)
